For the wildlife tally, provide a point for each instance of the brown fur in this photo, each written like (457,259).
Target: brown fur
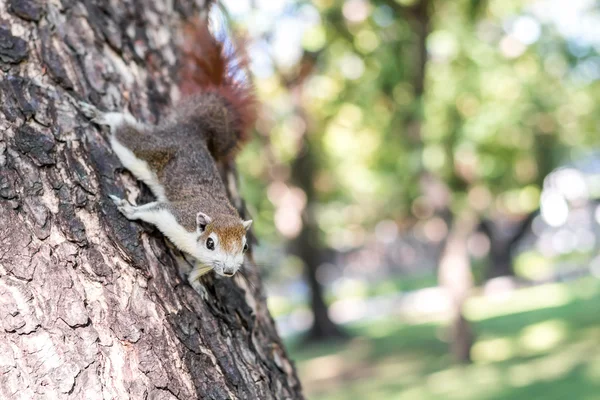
(177,152)
(229,230)
(206,127)
(157,160)
(225,105)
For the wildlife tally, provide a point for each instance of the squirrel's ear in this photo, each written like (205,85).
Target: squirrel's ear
(247,224)
(202,220)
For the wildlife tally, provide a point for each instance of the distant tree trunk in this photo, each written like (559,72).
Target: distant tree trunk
(91,304)
(500,258)
(456,277)
(503,240)
(454,271)
(306,246)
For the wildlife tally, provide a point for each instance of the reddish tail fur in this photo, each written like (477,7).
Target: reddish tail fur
(206,67)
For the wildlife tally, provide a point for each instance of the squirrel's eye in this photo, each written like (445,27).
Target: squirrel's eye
(245,247)
(210,244)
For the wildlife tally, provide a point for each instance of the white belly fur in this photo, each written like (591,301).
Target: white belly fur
(139,168)
(165,221)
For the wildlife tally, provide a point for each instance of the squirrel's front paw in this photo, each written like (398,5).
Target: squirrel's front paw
(199,288)
(100,117)
(124,207)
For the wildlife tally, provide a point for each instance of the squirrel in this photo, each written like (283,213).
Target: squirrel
(177,159)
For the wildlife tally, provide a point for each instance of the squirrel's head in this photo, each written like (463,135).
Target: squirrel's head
(221,242)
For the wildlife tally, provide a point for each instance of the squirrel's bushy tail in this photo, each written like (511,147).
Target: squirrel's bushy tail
(216,78)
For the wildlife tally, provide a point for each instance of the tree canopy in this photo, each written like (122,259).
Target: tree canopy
(508,92)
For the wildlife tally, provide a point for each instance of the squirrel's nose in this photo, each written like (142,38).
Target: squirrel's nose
(228,271)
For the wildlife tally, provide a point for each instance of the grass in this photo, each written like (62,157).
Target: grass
(542,343)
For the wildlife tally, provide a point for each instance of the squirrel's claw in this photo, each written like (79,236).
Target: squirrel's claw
(123,206)
(117,200)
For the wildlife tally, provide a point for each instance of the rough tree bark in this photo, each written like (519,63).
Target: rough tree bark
(91,305)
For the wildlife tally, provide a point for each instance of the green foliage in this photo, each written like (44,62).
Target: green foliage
(501,108)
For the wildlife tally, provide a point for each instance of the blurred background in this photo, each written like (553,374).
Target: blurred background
(425,187)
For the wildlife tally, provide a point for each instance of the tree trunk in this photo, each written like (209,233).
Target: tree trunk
(500,260)
(503,237)
(456,277)
(91,304)
(500,257)
(306,246)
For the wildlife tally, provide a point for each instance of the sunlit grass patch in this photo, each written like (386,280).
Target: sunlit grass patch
(551,352)
(445,381)
(546,296)
(543,336)
(491,350)
(324,367)
(382,328)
